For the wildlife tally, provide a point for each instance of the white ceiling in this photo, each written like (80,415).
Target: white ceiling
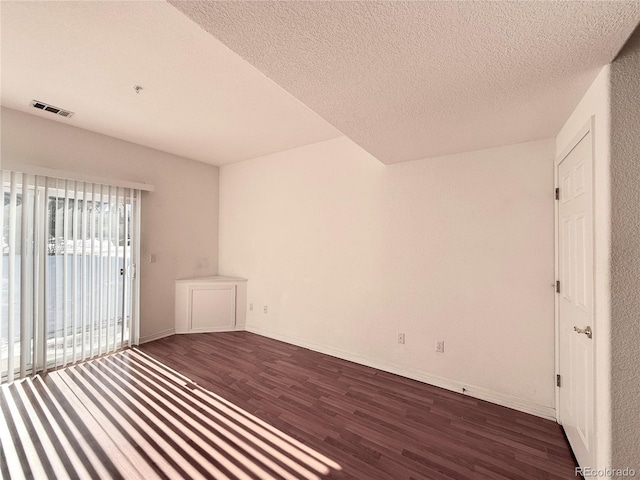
(414,79)
(403,79)
(199,99)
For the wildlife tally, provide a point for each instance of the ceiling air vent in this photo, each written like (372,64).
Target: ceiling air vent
(50,108)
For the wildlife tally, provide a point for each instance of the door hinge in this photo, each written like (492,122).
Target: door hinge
(557,194)
(558,380)
(557,286)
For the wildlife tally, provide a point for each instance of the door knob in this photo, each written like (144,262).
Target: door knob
(587,331)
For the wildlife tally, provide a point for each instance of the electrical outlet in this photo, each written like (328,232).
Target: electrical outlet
(153,258)
(440,346)
(251,307)
(264,309)
(401,338)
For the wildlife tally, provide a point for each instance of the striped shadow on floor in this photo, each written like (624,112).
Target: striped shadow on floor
(127,416)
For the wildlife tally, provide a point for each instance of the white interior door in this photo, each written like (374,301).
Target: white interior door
(575,298)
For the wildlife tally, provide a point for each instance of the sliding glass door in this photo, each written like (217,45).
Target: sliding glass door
(69,285)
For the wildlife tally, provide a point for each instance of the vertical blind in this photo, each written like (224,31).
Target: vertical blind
(69,287)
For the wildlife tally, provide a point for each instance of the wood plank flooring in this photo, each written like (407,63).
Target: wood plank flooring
(126,416)
(373,424)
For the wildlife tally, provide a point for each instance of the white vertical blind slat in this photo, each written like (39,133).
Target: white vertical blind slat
(83,290)
(47,275)
(56,270)
(109,266)
(74,274)
(124,265)
(65,274)
(85,272)
(23,278)
(134,332)
(32,266)
(25,274)
(38,330)
(116,272)
(11,278)
(2,319)
(33,273)
(92,300)
(100,269)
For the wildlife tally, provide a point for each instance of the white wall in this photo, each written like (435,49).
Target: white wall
(179,219)
(596,103)
(347,252)
(625,255)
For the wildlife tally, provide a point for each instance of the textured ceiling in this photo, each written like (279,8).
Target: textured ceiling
(411,79)
(199,99)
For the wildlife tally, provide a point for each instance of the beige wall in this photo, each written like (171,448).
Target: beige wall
(346,253)
(596,103)
(625,255)
(179,219)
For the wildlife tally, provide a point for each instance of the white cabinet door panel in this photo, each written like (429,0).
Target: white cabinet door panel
(213,308)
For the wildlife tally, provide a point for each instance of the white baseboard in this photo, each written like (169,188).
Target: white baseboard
(503,399)
(157,335)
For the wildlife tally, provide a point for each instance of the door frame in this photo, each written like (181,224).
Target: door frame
(587,128)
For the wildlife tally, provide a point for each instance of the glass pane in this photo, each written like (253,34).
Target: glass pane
(95,256)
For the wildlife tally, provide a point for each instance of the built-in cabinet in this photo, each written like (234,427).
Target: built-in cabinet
(210,304)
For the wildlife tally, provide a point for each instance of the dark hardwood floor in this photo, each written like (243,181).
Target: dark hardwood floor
(376,425)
